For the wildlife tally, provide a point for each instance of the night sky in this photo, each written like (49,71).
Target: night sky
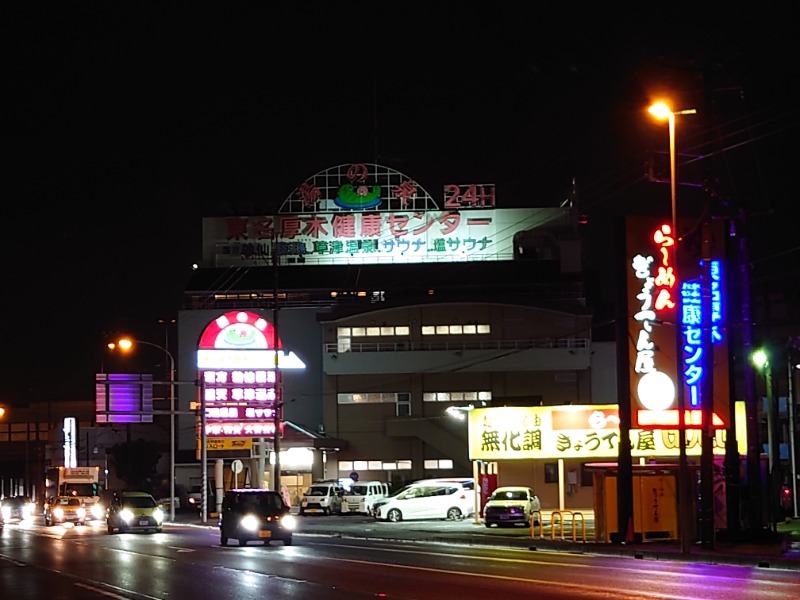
(124,127)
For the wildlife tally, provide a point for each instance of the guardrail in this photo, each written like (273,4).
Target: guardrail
(537,521)
(576,518)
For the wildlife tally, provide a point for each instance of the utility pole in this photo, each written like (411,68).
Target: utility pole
(755,507)
(707,391)
(276,438)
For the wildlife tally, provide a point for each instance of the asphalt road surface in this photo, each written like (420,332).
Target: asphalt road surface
(185,562)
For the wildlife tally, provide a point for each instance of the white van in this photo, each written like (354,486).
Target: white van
(323,497)
(363,495)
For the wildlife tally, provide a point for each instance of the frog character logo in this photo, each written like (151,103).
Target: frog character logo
(357,194)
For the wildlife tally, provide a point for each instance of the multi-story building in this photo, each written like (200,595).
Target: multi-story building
(399,315)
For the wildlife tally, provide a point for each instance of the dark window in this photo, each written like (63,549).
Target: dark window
(587,479)
(551,472)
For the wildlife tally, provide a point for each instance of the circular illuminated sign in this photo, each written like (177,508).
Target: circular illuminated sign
(656,391)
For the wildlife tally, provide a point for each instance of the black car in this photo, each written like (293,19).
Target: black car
(254,514)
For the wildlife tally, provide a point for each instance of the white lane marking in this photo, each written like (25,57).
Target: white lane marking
(100,591)
(16,563)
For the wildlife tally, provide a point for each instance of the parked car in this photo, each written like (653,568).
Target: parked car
(445,500)
(362,495)
(510,505)
(323,497)
(134,511)
(64,509)
(17,509)
(255,514)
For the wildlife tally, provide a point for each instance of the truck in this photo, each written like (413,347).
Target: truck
(77,482)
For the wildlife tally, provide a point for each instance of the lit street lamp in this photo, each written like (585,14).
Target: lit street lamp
(760,359)
(661,110)
(127,344)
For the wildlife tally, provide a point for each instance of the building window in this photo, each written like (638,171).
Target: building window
(404,405)
(373,331)
(457,397)
(455,329)
(348,466)
(441,465)
(551,472)
(587,476)
(375,398)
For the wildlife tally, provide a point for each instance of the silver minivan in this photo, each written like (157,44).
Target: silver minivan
(322,497)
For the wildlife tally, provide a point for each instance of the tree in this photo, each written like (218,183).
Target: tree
(135,462)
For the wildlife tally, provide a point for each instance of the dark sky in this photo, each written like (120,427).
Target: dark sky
(124,126)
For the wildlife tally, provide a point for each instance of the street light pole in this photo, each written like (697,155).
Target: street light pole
(125,345)
(761,360)
(660,110)
(790,403)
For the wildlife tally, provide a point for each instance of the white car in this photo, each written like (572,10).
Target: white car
(509,505)
(322,497)
(444,500)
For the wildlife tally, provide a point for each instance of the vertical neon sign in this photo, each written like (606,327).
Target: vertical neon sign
(692,323)
(655,301)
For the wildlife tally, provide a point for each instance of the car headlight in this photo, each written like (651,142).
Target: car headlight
(6,510)
(98,511)
(81,512)
(58,512)
(158,515)
(250,522)
(126,515)
(192,501)
(288,521)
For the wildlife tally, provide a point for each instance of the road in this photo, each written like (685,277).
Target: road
(185,562)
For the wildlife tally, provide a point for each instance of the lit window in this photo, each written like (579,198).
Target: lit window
(470,329)
(359,331)
(343,332)
(402,330)
(373,331)
(428,330)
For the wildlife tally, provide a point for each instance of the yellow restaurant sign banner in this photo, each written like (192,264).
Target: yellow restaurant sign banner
(227,443)
(585,432)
